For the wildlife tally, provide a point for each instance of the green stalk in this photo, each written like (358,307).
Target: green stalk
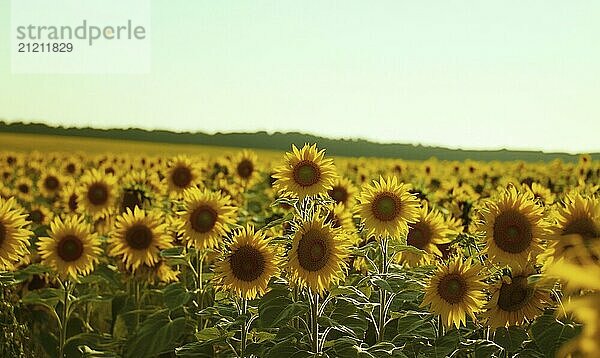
(382,292)
(200,286)
(64,319)
(244,331)
(314,326)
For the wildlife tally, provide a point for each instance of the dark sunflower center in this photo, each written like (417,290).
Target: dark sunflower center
(73,202)
(97,194)
(70,168)
(36,216)
(247,263)
(203,219)
(245,168)
(512,232)
(2,234)
(23,188)
(70,248)
(51,183)
(582,226)
(182,177)
(452,288)
(138,237)
(313,251)
(419,235)
(131,199)
(385,206)
(339,194)
(306,173)
(514,295)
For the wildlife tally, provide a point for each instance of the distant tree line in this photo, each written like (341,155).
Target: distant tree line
(283,141)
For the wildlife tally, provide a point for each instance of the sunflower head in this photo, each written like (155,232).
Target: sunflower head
(182,174)
(316,259)
(387,207)
(305,172)
(455,290)
(343,192)
(247,265)
(429,231)
(515,300)
(576,233)
(515,227)
(244,168)
(71,249)
(50,183)
(96,194)
(138,238)
(206,217)
(14,234)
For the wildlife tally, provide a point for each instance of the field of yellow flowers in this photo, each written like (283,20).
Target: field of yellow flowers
(253,254)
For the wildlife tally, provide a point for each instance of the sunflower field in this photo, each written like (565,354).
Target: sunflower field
(297,255)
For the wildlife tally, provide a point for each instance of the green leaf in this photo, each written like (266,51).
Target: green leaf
(276,308)
(175,252)
(196,350)
(213,334)
(549,333)
(287,349)
(385,349)
(157,334)
(510,338)
(480,348)
(33,269)
(382,284)
(48,297)
(7,278)
(175,295)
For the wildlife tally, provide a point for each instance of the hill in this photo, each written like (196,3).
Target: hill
(283,141)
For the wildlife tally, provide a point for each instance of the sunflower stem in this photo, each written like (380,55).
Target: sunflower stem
(440,330)
(244,330)
(382,293)
(200,287)
(314,312)
(64,318)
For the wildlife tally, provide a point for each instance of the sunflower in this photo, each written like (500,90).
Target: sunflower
(387,207)
(343,192)
(514,226)
(39,215)
(160,272)
(244,168)
(455,290)
(24,189)
(71,167)
(425,234)
(140,188)
(317,256)
(542,194)
(138,237)
(515,300)
(96,194)
(181,175)
(71,249)
(206,217)
(305,173)
(584,308)
(248,265)
(579,216)
(50,183)
(14,234)
(68,199)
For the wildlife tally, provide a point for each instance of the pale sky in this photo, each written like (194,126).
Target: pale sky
(460,74)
